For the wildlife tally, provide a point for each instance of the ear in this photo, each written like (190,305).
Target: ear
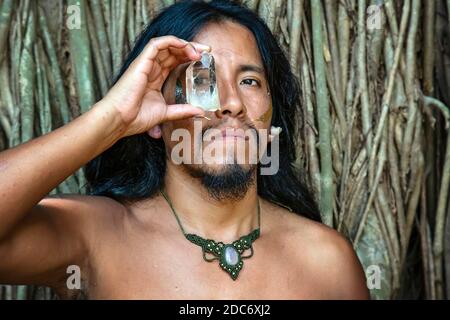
(155,132)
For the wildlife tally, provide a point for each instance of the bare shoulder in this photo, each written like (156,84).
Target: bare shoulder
(57,232)
(80,201)
(76,204)
(85,213)
(324,253)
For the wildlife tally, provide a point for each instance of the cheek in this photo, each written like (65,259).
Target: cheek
(259,109)
(186,130)
(262,119)
(264,122)
(166,129)
(168,92)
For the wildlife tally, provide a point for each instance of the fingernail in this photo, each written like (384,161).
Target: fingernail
(201,116)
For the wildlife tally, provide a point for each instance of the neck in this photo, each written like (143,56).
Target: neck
(224,221)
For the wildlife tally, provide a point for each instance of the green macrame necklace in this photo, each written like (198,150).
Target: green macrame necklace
(229,255)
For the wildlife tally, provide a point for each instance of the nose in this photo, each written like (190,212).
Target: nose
(231,103)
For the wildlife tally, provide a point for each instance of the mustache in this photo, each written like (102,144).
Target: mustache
(245,125)
(241,125)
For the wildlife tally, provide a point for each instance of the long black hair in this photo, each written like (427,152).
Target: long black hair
(134,167)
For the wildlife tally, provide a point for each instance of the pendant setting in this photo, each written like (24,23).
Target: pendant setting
(231,261)
(229,255)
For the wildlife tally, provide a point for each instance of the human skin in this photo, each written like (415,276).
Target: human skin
(138,251)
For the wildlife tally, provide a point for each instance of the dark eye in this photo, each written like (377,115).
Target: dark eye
(200,81)
(250,82)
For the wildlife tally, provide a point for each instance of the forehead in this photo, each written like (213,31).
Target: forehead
(231,41)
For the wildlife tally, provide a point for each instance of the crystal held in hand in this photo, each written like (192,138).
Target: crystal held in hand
(201,85)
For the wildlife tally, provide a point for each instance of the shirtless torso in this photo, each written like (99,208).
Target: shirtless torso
(139,252)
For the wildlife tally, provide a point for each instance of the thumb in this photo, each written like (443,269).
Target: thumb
(182,111)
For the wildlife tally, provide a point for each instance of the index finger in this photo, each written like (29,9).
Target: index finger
(156,45)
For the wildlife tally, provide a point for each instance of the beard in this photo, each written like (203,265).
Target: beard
(224,181)
(228,182)
(231,182)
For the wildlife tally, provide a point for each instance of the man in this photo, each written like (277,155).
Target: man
(155,229)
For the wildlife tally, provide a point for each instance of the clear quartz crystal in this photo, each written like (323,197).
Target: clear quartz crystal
(201,85)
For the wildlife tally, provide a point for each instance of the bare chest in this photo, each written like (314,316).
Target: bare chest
(173,268)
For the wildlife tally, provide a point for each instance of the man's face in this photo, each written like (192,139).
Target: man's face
(244,98)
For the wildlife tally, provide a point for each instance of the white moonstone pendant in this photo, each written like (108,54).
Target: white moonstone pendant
(231,256)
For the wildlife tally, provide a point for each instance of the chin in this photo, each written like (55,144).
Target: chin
(226,181)
(220,169)
(228,158)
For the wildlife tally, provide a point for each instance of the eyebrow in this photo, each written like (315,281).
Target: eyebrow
(251,67)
